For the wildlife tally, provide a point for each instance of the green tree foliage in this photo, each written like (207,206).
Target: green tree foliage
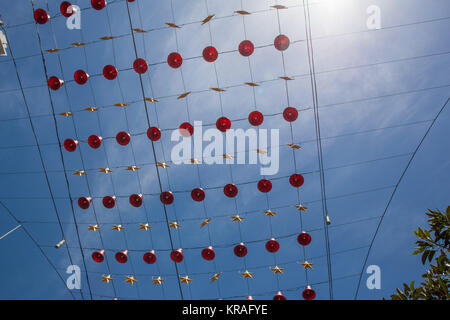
(435,240)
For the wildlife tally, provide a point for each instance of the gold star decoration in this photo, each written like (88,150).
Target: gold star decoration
(194,161)
(185,279)
(207,19)
(299,207)
(79,173)
(162,165)
(251,84)
(294,146)
(107,278)
(130,279)
(215,277)
(158,280)
(66,114)
(93,227)
(247,274)
(91,109)
(105,170)
(287,78)
(174,225)
(117,227)
(278,6)
(151,100)
(270,213)
(172,25)
(218,89)
(132,168)
(261,151)
(307,265)
(184,95)
(227,156)
(145,226)
(236,218)
(205,222)
(120,104)
(277,269)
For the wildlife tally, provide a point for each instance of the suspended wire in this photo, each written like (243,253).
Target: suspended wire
(394,192)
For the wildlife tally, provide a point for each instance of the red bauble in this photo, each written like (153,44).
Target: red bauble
(153,133)
(264,185)
(240,250)
(186,129)
(110,72)
(308,293)
(41,16)
(150,257)
(95,141)
(272,245)
(70,145)
(230,190)
(55,83)
(255,118)
(80,77)
(281,42)
(296,180)
(98,256)
(174,60)
(210,54)
(109,201)
(177,255)
(279,296)
(84,202)
(166,197)
(249,298)
(64,8)
(140,65)
(123,138)
(304,238)
(208,253)
(136,200)
(223,124)
(98,4)
(246,48)
(198,194)
(122,256)
(290,114)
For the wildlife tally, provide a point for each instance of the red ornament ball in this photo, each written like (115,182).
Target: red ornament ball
(109,201)
(308,293)
(230,190)
(55,83)
(255,118)
(166,197)
(136,200)
(223,124)
(150,257)
(290,114)
(208,253)
(264,185)
(123,138)
(177,255)
(210,54)
(246,48)
(66,9)
(122,256)
(84,202)
(153,133)
(80,77)
(279,296)
(70,145)
(98,256)
(140,66)
(281,42)
(296,180)
(240,250)
(304,238)
(110,72)
(98,4)
(198,194)
(272,245)
(174,60)
(95,141)
(41,16)
(186,129)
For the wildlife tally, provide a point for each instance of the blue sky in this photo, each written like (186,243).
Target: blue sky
(377,92)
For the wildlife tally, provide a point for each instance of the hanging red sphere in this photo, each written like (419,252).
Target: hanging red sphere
(153,133)
(55,83)
(166,197)
(66,9)
(249,298)
(84,202)
(240,250)
(279,296)
(140,65)
(296,180)
(136,200)
(198,194)
(122,256)
(255,118)
(98,256)
(272,245)
(41,16)
(109,201)
(123,138)
(223,124)
(304,238)
(174,60)
(264,185)
(290,114)
(210,54)
(110,72)
(80,77)
(70,145)
(150,257)
(186,129)
(95,141)
(308,293)
(208,253)
(230,190)
(281,42)
(98,4)
(177,255)
(246,48)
